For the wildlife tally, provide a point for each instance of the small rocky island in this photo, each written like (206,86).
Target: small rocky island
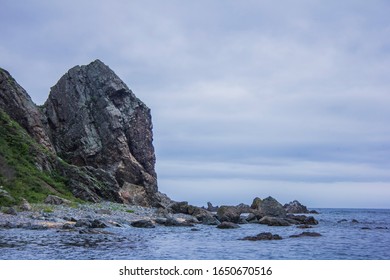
(85,161)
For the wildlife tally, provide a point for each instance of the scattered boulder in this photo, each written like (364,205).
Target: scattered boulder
(263,236)
(177,222)
(98,224)
(244,208)
(56,200)
(342,221)
(306,233)
(251,218)
(227,225)
(25,206)
(295,207)
(355,221)
(143,224)
(10,211)
(268,207)
(228,214)
(274,221)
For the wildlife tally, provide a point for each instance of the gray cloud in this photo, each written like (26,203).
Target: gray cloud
(253,92)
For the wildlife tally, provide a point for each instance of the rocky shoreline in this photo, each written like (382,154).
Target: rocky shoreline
(94,218)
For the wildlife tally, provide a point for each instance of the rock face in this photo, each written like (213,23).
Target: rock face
(96,120)
(15,101)
(98,134)
(268,207)
(295,207)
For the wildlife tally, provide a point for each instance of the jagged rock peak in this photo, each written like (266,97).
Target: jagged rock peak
(96,120)
(15,101)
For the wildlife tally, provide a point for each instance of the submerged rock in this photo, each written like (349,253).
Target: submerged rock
(227,225)
(306,234)
(274,221)
(263,236)
(143,224)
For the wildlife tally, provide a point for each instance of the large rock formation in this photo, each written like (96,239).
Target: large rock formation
(15,101)
(98,131)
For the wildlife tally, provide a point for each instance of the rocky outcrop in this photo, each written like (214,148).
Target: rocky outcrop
(263,236)
(15,101)
(295,207)
(96,133)
(95,120)
(268,207)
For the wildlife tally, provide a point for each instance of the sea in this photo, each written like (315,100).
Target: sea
(354,234)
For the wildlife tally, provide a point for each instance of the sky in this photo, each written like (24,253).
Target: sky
(289,99)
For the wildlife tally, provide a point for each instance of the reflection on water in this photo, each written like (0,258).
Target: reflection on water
(340,240)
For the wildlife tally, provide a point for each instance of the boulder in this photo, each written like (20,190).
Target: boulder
(295,207)
(25,206)
(274,221)
(227,225)
(302,219)
(263,236)
(56,200)
(179,207)
(143,224)
(10,211)
(268,207)
(204,216)
(178,222)
(228,214)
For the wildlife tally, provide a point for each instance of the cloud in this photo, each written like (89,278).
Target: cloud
(259,92)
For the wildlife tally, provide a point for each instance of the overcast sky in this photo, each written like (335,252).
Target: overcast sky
(249,98)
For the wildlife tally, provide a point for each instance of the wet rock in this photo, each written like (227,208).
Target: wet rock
(310,221)
(228,214)
(306,234)
(227,225)
(177,222)
(263,236)
(366,228)
(143,224)
(202,215)
(295,207)
(274,221)
(313,212)
(98,224)
(355,221)
(56,200)
(268,207)
(342,221)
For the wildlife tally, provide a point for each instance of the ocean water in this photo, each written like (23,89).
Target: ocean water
(368,239)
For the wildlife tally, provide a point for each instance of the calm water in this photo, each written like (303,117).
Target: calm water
(344,240)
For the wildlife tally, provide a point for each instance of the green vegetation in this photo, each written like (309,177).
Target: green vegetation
(20,175)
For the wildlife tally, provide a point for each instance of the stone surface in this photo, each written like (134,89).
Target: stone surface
(96,120)
(143,224)
(263,236)
(274,221)
(25,206)
(228,214)
(295,207)
(306,234)
(268,207)
(56,200)
(15,101)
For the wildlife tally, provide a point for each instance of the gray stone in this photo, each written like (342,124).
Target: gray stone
(143,224)
(306,234)
(263,236)
(295,207)
(25,206)
(228,214)
(56,200)
(96,120)
(274,221)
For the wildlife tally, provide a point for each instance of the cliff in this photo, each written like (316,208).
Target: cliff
(93,131)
